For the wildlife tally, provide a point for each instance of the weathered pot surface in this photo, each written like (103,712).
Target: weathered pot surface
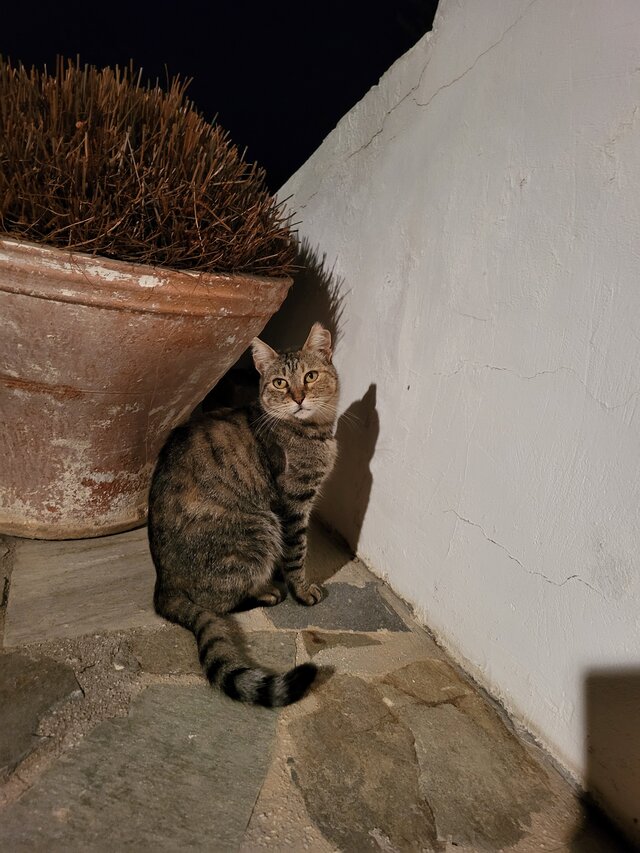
(99,360)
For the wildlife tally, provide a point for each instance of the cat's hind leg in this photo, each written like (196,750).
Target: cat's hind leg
(269,596)
(264,596)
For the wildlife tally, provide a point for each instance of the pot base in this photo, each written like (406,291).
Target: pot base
(60,532)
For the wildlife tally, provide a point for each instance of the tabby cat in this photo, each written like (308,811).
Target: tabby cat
(229,507)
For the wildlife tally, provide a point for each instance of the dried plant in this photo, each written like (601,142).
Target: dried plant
(100,162)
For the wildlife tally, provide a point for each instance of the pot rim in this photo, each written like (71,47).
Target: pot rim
(62,275)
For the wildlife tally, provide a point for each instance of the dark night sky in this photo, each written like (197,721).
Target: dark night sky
(279,76)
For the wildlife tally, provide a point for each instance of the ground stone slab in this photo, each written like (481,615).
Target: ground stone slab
(430,681)
(274,651)
(169,651)
(392,650)
(355,765)
(28,689)
(482,785)
(172,650)
(183,771)
(69,588)
(345,607)
(318,641)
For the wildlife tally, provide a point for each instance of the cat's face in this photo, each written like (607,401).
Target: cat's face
(298,386)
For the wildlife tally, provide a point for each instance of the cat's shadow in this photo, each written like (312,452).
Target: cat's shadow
(344,500)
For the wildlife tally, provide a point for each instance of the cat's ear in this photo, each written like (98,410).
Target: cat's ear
(319,341)
(262,354)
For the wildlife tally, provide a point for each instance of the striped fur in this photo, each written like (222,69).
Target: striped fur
(229,508)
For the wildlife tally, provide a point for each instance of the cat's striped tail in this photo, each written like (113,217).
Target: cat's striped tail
(222,658)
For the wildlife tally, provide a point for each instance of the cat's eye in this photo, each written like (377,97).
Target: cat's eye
(280,384)
(311,376)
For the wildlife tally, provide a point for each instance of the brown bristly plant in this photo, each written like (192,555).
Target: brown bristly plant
(98,161)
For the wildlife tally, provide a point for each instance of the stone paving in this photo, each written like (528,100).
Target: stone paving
(110,739)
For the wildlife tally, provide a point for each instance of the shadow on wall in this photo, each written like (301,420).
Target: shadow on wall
(345,495)
(612,702)
(316,294)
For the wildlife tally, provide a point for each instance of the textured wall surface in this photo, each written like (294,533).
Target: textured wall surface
(482,206)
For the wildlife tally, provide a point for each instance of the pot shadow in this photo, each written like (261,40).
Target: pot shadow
(612,702)
(317,294)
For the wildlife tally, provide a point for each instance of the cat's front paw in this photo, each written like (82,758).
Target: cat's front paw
(309,594)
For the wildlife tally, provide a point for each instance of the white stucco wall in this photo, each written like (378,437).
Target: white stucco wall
(483,206)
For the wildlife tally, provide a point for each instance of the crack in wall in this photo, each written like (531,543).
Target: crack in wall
(444,86)
(302,206)
(478,58)
(516,560)
(473,317)
(396,105)
(607,406)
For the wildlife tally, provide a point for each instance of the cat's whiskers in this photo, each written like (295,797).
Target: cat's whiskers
(269,419)
(261,419)
(351,419)
(267,428)
(323,408)
(264,424)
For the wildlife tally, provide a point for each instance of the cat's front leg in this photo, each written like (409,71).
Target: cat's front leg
(295,520)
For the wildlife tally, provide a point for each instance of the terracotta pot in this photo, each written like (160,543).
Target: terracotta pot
(99,360)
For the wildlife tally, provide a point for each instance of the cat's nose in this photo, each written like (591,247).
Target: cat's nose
(298,396)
